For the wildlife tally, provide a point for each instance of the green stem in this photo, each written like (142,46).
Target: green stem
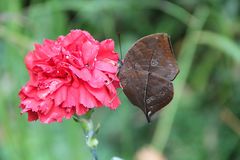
(89,132)
(94,153)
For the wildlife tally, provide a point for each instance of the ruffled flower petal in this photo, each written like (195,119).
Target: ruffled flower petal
(107,67)
(90,51)
(86,98)
(83,73)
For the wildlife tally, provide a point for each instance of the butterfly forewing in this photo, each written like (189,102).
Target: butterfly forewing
(163,61)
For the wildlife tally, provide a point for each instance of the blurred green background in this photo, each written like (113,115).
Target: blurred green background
(201,123)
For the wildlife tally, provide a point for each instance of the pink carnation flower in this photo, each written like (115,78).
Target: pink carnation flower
(69,76)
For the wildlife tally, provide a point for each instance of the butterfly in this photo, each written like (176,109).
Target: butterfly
(147,73)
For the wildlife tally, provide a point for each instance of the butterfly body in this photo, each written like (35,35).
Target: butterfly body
(147,73)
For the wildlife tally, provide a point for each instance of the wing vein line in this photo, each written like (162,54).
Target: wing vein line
(145,90)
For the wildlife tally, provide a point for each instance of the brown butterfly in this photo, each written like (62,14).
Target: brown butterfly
(147,73)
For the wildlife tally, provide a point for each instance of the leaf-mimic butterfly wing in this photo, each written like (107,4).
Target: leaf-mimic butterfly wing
(147,72)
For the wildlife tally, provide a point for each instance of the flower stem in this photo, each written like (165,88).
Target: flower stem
(94,154)
(89,131)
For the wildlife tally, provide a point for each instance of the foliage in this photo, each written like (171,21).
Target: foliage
(202,122)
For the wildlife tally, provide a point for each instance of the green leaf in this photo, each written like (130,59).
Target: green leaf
(220,42)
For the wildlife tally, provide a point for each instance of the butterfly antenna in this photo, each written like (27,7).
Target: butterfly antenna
(120,45)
